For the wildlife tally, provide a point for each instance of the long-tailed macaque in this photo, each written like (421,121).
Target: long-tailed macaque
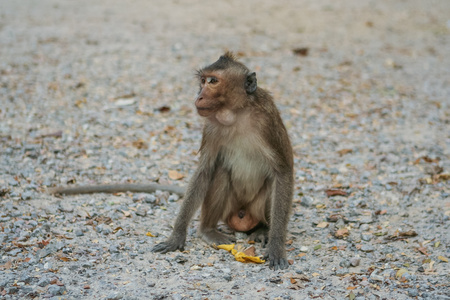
(245,173)
(246,163)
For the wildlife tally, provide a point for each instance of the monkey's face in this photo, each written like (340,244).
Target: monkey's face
(225,89)
(209,99)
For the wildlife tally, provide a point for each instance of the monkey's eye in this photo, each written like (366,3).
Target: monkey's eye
(211,80)
(202,80)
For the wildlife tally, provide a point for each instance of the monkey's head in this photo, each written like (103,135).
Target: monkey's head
(225,87)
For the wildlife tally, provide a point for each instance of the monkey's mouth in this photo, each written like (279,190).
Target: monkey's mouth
(204,111)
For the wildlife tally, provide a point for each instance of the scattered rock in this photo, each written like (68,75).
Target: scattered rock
(367,248)
(354,262)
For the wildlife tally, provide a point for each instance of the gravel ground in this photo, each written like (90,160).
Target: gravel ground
(102,91)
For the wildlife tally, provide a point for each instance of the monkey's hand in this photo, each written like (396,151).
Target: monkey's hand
(276,255)
(172,244)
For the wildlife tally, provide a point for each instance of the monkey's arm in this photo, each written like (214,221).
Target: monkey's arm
(117,188)
(280,213)
(195,194)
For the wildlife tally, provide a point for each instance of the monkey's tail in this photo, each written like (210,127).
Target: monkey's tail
(117,188)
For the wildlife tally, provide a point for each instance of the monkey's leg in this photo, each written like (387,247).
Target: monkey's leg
(261,207)
(209,233)
(195,194)
(280,209)
(217,206)
(208,227)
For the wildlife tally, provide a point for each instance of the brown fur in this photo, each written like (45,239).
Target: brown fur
(246,161)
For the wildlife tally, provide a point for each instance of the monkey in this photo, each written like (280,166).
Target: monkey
(245,167)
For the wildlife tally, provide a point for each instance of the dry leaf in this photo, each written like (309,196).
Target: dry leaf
(140,144)
(297,286)
(56,134)
(174,175)
(149,234)
(7,265)
(344,151)
(430,267)
(117,229)
(400,235)
(331,193)
(351,296)
(295,281)
(250,251)
(303,51)
(423,250)
(301,277)
(79,103)
(427,160)
(444,259)
(334,217)
(408,233)
(125,96)
(57,282)
(400,272)
(441,177)
(163,109)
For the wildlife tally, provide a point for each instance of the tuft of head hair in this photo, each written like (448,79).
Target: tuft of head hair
(229,55)
(226,61)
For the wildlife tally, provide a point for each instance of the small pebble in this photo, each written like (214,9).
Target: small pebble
(354,262)
(366,237)
(342,271)
(413,292)
(367,248)
(364,227)
(56,290)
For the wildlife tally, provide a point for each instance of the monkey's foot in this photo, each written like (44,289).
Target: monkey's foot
(169,246)
(212,236)
(277,257)
(260,234)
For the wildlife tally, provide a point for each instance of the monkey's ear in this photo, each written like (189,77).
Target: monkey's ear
(250,83)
